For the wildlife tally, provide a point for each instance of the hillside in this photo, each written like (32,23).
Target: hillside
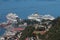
(54,32)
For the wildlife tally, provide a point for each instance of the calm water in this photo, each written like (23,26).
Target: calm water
(23,8)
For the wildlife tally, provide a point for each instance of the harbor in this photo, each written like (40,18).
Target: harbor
(16,26)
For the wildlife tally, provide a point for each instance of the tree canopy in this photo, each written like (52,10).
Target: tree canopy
(54,32)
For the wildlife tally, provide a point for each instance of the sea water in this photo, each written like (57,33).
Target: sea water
(24,8)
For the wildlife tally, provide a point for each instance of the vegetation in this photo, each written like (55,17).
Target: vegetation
(54,32)
(28,21)
(27,32)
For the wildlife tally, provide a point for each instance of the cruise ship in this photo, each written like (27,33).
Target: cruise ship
(11,17)
(48,17)
(35,16)
(38,17)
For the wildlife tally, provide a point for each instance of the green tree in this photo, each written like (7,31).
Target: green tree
(27,32)
(54,32)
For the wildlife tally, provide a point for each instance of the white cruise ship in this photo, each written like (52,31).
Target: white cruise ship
(46,17)
(11,17)
(35,16)
(38,17)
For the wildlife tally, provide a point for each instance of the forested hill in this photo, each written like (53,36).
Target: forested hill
(54,32)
